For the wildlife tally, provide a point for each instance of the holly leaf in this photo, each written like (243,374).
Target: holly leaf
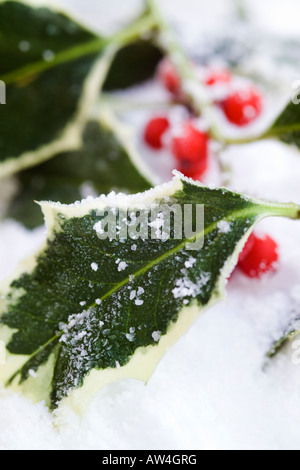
(287,125)
(106,161)
(133,64)
(291,333)
(48,96)
(88,310)
(54,69)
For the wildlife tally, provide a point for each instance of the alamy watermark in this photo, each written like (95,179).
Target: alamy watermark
(2,92)
(158,222)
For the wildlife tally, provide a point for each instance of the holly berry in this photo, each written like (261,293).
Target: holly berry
(154,132)
(169,76)
(190,148)
(243,107)
(261,259)
(247,248)
(215,77)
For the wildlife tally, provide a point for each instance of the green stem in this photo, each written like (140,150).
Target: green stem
(246,140)
(290,211)
(122,38)
(270,134)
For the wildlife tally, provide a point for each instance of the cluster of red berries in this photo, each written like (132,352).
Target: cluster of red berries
(190,145)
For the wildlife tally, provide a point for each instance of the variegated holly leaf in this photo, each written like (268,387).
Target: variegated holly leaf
(88,310)
(106,161)
(287,125)
(48,96)
(53,69)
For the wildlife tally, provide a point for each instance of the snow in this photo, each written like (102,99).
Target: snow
(122,266)
(223,226)
(214,389)
(156,335)
(94,267)
(187,288)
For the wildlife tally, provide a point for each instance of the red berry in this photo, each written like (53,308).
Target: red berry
(243,107)
(261,259)
(169,76)
(190,148)
(247,248)
(193,170)
(154,132)
(218,76)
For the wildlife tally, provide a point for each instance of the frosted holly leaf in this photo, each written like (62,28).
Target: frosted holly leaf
(287,125)
(88,310)
(48,99)
(53,69)
(106,161)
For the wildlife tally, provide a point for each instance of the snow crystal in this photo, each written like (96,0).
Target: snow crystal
(122,266)
(139,302)
(98,228)
(190,263)
(131,335)
(224,226)
(98,301)
(94,267)
(132,294)
(134,247)
(156,336)
(185,287)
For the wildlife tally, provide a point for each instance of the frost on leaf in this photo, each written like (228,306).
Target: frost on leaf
(88,309)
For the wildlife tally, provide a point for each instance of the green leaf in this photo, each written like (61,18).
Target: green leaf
(133,64)
(291,332)
(54,69)
(106,161)
(48,103)
(287,126)
(87,311)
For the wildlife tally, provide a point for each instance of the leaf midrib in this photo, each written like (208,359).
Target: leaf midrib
(246,212)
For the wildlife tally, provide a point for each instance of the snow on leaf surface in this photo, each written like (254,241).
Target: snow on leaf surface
(70,329)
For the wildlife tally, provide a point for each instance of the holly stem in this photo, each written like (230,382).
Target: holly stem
(290,210)
(243,141)
(124,104)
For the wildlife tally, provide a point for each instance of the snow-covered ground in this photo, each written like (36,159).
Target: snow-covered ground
(213,390)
